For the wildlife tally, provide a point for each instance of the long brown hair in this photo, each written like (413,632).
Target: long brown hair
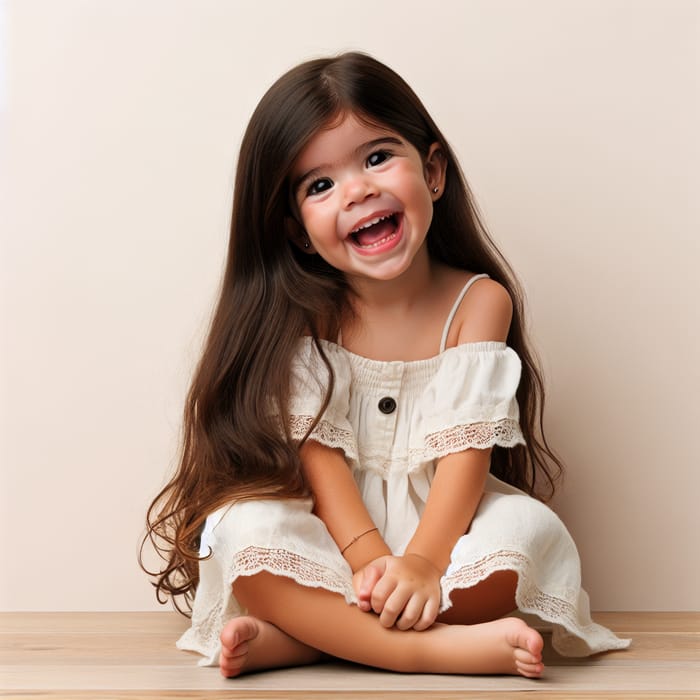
(236,443)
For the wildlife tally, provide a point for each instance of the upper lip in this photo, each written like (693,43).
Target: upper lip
(373,218)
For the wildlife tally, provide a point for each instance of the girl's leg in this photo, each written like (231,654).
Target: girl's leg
(490,599)
(249,644)
(290,621)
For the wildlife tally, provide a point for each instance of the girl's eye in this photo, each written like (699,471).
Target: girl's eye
(318,186)
(378,157)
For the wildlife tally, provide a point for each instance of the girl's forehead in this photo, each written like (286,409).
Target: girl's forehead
(339,139)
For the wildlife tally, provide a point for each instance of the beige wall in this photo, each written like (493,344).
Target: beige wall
(577,125)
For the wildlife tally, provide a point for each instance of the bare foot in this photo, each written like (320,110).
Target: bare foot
(522,651)
(503,646)
(249,644)
(527,645)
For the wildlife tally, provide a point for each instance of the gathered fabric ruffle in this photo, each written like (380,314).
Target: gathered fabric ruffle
(393,421)
(285,538)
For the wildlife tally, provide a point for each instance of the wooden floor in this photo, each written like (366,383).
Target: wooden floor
(105,656)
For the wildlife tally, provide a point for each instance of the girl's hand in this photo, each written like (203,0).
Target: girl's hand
(365,579)
(403,591)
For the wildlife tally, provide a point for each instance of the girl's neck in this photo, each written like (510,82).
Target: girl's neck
(401,319)
(399,294)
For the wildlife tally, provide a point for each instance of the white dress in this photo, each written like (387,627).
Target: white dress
(393,420)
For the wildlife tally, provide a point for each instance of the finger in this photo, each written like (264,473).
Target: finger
(364,604)
(362,601)
(370,577)
(381,592)
(429,614)
(394,606)
(412,612)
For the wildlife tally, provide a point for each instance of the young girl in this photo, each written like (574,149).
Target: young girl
(362,437)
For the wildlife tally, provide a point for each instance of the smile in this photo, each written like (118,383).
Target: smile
(378,234)
(381,241)
(375,230)
(372,222)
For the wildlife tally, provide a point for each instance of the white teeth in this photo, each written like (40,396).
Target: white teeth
(376,244)
(367,224)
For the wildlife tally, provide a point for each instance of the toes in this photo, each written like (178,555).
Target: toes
(529,670)
(535,643)
(527,645)
(229,637)
(527,639)
(238,631)
(526,657)
(234,645)
(232,661)
(230,668)
(230,653)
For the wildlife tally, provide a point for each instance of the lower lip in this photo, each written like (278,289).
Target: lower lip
(385,245)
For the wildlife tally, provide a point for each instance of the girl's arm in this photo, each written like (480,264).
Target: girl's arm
(453,499)
(485,315)
(405,591)
(337,501)
(407,594)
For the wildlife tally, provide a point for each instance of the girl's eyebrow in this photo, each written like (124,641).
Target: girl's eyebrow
(362,148)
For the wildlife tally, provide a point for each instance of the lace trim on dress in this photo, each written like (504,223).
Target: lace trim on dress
(203,636)
(325,432)
(505,432)
(575,639)
(282,562)
(572,636)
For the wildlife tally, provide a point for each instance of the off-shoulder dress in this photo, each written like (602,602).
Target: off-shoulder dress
(393,421)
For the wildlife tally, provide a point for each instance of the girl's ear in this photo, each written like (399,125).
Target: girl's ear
(296,234)
(435,168)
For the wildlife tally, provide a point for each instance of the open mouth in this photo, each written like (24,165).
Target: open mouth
(376,232)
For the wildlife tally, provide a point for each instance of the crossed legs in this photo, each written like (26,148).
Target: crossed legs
(290,624)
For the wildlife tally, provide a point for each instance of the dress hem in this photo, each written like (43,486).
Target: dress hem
(570,637)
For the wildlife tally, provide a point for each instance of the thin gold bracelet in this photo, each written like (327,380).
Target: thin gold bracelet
(357,537)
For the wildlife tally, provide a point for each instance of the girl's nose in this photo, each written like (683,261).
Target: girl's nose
(357,189)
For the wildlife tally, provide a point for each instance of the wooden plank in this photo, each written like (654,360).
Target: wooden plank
(640,676)
(134,623)
(105,656)
(630,623)
(108,647)
(169,622)
(306,695)
(645,646)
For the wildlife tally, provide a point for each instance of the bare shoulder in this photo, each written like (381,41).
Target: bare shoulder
(485,313)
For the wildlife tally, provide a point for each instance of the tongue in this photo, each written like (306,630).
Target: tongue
(375,233)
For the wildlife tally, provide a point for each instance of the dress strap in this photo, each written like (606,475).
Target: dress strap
(453,312)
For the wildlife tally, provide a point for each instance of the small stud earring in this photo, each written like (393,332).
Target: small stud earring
(435,190)
(307,245)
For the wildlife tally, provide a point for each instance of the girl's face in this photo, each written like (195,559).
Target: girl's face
(365,197)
